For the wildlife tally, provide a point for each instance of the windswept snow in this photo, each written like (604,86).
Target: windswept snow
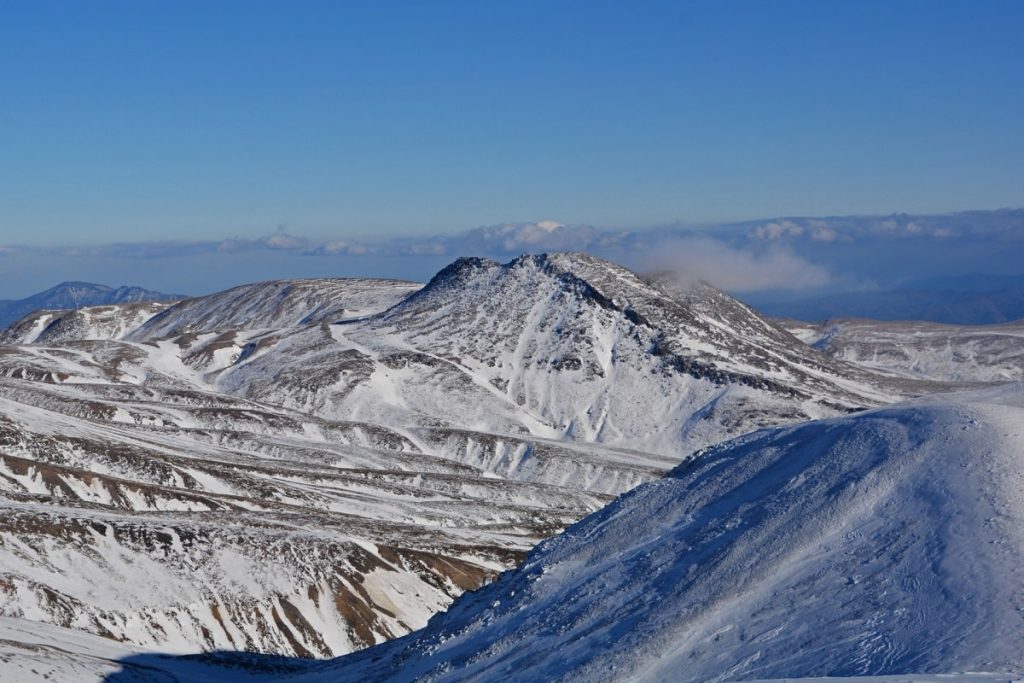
(922,350)
(890,542)
(92,322)
(276,304)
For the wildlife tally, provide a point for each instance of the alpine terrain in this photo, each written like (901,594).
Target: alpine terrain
(886,543)
(922,350)
(307,468)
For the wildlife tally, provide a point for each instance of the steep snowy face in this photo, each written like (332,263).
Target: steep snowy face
(92,322)
(569,345)
(580,312)
(922,350)
(277,304)
(883,543)
(585,308)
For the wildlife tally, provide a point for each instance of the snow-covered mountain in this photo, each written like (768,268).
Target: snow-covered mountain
(278,304)
(72,295)
(176,519)
(562,346)
(310,467)
(890,542)
(921,350)
(91,322)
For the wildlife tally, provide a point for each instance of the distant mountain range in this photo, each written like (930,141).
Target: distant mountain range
(72,295)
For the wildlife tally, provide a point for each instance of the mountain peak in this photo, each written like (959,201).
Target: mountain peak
(78,284)
(459,271)
(574,325)
(73,294)
(590,276)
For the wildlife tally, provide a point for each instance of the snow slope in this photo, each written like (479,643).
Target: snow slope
(922,350)
(888,542)
(184,521)
(276,304)
(91,322)
(39,653)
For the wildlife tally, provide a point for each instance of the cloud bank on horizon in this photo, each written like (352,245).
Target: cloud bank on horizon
(794,254)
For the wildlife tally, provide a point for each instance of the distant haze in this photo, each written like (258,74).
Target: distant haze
(764,261)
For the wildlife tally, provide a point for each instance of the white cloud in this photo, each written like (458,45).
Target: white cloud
(732,269)
(342,247)
(887,225)
(282,240)
(777,230)
(545,235)
(278,241)
(824,234)
(424,249)
(898,227)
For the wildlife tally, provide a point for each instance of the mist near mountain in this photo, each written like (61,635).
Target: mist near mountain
(768,261)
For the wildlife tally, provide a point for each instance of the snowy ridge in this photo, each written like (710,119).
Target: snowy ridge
(563,347)
(91,322)
(885,543)
(276,304)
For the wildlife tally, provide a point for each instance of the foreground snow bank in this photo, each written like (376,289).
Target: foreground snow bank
(903,678)
(887,542)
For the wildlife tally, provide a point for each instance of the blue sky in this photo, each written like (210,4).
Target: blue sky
(227,123)
(178,120)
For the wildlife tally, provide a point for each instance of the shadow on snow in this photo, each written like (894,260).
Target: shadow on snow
(211,667)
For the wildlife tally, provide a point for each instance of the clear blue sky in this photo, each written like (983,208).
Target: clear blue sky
(180,120)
